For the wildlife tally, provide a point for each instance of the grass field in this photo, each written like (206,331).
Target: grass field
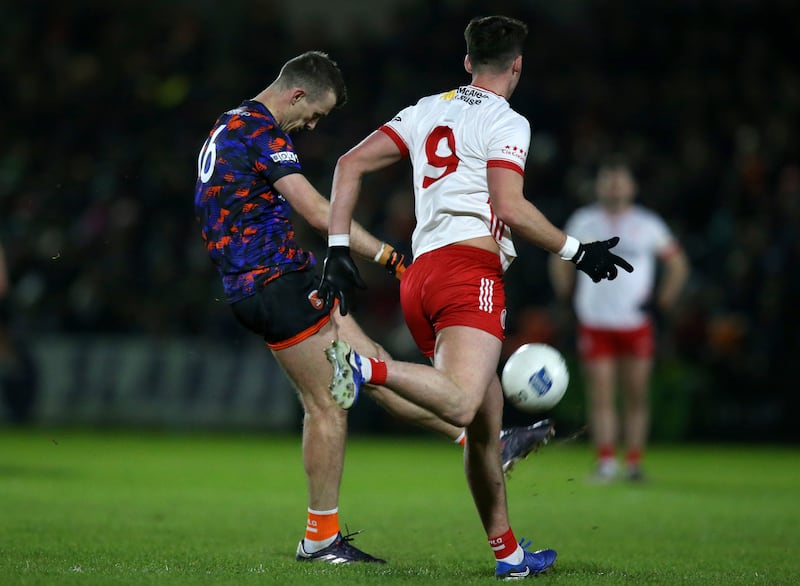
(166,508)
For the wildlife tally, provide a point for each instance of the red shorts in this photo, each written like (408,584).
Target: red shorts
(600,343)
(453,286)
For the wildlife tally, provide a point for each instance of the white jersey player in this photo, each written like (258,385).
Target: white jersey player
(467,149)
(616,341)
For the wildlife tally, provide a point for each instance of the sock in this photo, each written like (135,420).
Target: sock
(322,528)
(506,549)
(373,370)
(633,457)
(461,440)
(605,453)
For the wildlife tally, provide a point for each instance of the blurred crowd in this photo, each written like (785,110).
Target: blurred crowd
(107,105)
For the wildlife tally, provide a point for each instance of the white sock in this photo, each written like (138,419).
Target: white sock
(515,558)
(311,546)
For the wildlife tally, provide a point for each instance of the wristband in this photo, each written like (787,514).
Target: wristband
(384,254)
(570,248)
(380,253)
(339,240)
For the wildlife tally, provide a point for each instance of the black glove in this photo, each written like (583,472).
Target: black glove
(339,276)
(596,260)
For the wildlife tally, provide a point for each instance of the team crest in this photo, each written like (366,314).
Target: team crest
(315,300)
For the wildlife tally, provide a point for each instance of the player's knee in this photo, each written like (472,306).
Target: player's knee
(322,408)
(463,412)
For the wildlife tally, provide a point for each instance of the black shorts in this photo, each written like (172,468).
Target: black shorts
(286,311)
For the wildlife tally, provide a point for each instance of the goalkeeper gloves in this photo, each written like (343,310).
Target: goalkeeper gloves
(596,260)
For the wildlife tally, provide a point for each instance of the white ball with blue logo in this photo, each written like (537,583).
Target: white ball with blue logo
(535,378)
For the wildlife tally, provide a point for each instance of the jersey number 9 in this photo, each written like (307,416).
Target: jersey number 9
(449,162)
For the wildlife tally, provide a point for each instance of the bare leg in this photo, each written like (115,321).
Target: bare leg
(635,381)
(483,464)
(465,364)
(349,330)
(465,361)
(600,385)
(324,423)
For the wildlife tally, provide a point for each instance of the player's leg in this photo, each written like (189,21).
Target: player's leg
(484,473)
(598,364)
(482,463)
(295,325)
(635,369)
(635,382)
(600,376)
(348,329)
(517,442)
(454,394)
(324,423)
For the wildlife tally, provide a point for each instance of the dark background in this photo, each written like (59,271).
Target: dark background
(107,104)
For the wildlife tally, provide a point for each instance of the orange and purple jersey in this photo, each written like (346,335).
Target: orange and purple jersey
(245,222)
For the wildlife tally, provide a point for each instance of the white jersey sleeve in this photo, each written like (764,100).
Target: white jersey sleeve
(452,139)
(644,237)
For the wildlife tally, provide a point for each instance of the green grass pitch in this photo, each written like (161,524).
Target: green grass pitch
(104,508)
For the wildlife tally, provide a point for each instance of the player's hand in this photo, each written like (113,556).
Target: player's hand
(339,276)
(393,261)
(596,260)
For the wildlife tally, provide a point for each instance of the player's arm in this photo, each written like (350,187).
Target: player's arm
(525,219)
(315,209)
(371,154)
(674,276)
(339,273)
(562,277)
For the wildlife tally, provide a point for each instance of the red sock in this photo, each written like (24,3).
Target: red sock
(605,452)
(503,545)
(378,372)
(633,457)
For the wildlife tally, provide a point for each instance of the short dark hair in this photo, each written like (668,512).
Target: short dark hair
(317,74)
(493,42)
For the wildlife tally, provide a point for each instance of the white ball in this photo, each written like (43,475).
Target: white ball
(535,378)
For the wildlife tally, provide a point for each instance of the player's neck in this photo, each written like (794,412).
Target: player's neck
(273,101)
(497,84)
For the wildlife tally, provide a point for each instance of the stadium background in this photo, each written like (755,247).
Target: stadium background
(114,306)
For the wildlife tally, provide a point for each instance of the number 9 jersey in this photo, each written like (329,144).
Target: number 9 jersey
(452,139)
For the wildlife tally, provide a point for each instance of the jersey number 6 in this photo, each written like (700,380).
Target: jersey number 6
(208,156)
(448,162)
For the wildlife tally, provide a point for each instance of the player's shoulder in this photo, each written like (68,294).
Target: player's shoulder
(250,114)
(499,111)
(433,101)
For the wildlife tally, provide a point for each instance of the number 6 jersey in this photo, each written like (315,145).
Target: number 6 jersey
(451,139)
(246,224)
